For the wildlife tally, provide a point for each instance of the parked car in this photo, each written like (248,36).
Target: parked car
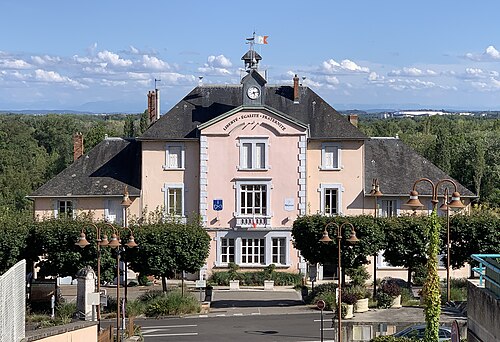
(418,331)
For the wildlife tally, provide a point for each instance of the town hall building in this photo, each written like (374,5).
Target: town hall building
(247,159)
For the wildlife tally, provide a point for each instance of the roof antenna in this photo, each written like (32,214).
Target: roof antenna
(156,80)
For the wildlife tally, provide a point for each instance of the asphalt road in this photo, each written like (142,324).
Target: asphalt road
(288,327)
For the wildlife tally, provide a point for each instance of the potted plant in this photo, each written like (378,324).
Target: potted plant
(349,299)
(362,295)
(389,295)
(234,279)
(268,277)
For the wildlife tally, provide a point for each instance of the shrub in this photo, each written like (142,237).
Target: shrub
(459,283)
(320,289)
(349,298)
(329,298)
(220,278)
(233,268)
(419,275)
(286,279)
(65,311)
(392,289)
(358,275)
(135,308)
(359,291)
(172,303)
(391,339)
(384,300)
(143,280)
(150,295)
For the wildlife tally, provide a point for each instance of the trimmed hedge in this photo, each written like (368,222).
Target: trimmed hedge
(255,278)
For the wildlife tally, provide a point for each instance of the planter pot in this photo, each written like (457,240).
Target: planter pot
(361,305)
(269,285)
(234,284)
(349,311)
(396,302)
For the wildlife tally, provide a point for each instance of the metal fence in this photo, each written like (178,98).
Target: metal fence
(13,303)
(489,270)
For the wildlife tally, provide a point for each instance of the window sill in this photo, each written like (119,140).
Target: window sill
(253,170)
(172,168)
(321,168)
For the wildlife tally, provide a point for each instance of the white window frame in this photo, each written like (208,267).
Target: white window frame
(182,156)
(267,236)
(240,183)
(337,155)
(166,199)
(253,141)
(322,189)
(256,242)
(383,207)
(225,250)
(66,201)
(282,242)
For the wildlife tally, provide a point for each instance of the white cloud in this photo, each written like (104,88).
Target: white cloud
(476,73)
(154,63)
(331,66)
(44,60)
(489,54)
(113,59)
(55,77)
(332,80)
(412,72)
(492,52)
(219,61)
(134,50)
(217,65)
(374,77)
(14,64)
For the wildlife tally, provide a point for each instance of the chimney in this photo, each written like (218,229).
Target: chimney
(353,119)
(296,89)
(152,106)
(77,146)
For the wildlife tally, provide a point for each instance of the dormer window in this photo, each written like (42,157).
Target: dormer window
(253,154)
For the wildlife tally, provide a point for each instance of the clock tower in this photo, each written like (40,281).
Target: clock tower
(254,90)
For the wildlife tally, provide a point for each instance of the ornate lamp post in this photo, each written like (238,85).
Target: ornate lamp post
(326,239)
(375,192)
(115,242)
(82,242)
(432,303)
(125,203)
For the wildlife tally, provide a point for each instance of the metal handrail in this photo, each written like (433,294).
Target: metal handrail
(485,264)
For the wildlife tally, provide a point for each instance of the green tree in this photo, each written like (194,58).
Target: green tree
(406,242)
(165,248)
(307,230)
(144,122)
(128,128)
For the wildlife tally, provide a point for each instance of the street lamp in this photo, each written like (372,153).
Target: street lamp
(82,242)
(453,204)
(326,239)
(115,242)
(375,192)
(125,203)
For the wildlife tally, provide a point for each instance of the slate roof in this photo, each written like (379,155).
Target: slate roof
(397,167)
(206,102)
(104,171)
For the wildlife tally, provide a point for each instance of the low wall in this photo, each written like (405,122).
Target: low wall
(74,332)
(483,310)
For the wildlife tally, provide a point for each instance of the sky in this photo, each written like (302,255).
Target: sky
(103,56)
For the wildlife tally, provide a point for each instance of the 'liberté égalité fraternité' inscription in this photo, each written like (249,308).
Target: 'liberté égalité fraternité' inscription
(254,116)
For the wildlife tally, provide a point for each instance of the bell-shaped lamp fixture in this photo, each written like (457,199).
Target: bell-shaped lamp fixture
(126,202)
(353,238)
(131,242)
(104,241)
(325,238)
(414,202)
(113,243)
(455,203)
(82,241)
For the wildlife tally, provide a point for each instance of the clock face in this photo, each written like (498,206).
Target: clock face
(253,93)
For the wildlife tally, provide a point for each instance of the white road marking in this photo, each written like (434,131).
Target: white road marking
(180,334)
(169,326)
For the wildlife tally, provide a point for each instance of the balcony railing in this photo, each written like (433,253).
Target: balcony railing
(489,270)
(253,222)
